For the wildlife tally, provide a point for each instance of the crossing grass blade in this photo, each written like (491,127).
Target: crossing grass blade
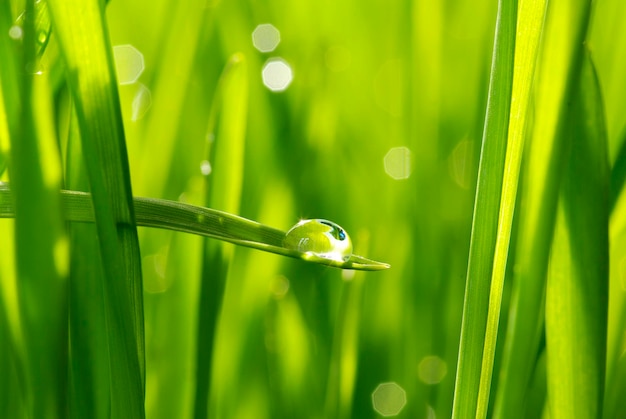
(484,223)
(577,288)
(83,38)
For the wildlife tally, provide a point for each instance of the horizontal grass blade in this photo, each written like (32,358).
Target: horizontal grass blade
(172,215)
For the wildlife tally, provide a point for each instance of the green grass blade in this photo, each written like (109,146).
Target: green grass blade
(530,19)
(177,216)
(618,172)
(486,207)
(90,382)
(544,165)
(40,244)
(87,55)
(577,289)
(225,154)
(344,357)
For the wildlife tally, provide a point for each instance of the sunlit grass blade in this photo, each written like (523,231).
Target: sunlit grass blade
(530,17)
(577,288)
(171,215)
(618,172)
(556,72)
(484,223)
(83,38)
(344,357)
(40,244)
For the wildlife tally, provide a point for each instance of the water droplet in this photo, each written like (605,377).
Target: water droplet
(321,238)
(42,37)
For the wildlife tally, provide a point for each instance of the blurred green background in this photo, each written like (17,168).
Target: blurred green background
(379,130)
(367,79)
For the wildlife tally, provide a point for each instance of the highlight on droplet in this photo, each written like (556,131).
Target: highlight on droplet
(397,163)
(277,74)
(265,37)
(129,63)
(388,399)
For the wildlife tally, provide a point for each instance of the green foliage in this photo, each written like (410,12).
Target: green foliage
(401,121)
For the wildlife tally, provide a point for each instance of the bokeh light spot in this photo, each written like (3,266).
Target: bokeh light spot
(459,164)
(153,267)
(129,63)
(388,399)
(398,163)
(279,287)
(265,37)
(205,167)
(142,101)
(432,369)
(277,75)
(16,32)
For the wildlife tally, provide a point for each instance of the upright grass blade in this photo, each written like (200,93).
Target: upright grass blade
(577,289)
(487,204)
(90,382)
(225,152)
(344,358)
(618,172)
(80,27)
(530,19)
(40,245)
(558,68)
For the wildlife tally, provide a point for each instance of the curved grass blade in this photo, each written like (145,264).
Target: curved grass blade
(171,215)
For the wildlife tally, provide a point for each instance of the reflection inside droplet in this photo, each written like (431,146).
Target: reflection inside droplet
(321,238)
